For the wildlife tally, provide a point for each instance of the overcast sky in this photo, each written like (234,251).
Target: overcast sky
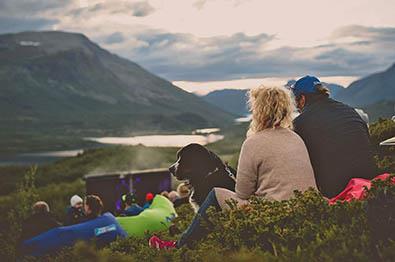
(208,44)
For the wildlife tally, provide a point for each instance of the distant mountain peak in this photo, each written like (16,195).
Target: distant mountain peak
(392,68)
(371,89)
(62,81)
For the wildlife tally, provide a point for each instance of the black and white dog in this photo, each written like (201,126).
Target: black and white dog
(203,170)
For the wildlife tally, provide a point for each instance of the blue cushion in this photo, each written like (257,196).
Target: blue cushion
(103,229)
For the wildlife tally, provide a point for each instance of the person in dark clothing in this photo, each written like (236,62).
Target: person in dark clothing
(93,207)
(336,137)
(39,222)
(75,213)
(131,206)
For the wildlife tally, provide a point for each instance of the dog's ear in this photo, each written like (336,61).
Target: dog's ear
(217,162)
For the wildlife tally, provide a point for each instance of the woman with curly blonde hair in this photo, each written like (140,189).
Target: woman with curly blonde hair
(273,161)
(271,107)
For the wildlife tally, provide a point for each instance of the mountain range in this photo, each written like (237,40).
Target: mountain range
(58,84)
(231,100)
(372,89)
(57,88)
(235,100)
(375,94)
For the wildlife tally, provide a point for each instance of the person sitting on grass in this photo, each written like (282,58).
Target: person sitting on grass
(39,222)
(93,207)
(179,197)
(75,213)
(335,135)
(273,162)
(131,206)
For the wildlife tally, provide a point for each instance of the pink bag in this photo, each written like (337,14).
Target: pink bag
(355,189)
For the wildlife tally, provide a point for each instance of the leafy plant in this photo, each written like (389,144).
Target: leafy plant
(304,228)
(385,155)
(25,197)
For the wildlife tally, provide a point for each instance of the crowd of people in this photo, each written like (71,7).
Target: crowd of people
(324,147)
(43,220)
(82,210)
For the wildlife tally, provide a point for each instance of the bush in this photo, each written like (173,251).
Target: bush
(12,220)
(304,228)
(382,130)
(16,208)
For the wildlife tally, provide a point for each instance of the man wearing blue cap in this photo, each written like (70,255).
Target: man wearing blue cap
(335,135)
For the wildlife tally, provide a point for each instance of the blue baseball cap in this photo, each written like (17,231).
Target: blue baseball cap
(305,85)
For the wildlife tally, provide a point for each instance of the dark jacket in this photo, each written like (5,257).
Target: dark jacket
(338,143)
(74,216)
(133,210)
(37,224)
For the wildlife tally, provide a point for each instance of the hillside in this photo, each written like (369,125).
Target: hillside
(57,87)
(375,94)
(229,100)
(234,101)
(382,109)
(370,90)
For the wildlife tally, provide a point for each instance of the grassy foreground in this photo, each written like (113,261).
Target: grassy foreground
(304,228)
(299,229)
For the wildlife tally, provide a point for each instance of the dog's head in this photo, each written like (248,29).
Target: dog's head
(194,162)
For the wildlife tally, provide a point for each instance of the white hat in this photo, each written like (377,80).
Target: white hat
(74,200)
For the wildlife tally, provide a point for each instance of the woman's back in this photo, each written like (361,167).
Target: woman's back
(274,163)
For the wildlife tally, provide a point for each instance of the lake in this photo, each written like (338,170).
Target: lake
(201,136)
(37,158)
(159,140)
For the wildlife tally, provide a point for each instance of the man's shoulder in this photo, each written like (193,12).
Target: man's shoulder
(300,121)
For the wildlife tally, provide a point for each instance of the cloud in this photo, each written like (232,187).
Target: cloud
(185,56)
(113,8)
(190,58)
(114,38)
(27,15)
(12,24)
(135,30)
(384,34)
(141,9)
(199,4)
(18,8)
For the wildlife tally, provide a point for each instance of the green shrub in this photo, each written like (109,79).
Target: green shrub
(304,228)
(382,130)
(11,222)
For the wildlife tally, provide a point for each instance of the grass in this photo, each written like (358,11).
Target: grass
(301,229)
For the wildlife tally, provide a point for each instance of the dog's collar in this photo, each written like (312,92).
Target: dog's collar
(230,174)
(212,172)
(208,174)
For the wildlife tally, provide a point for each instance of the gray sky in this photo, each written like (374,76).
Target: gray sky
(208,44)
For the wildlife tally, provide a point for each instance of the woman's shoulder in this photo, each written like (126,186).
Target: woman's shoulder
(270,136)
(270,133)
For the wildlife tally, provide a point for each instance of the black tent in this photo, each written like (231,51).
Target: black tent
(111,186)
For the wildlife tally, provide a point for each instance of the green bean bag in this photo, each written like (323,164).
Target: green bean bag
(157,217)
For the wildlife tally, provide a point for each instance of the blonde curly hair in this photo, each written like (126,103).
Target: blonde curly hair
(271,107)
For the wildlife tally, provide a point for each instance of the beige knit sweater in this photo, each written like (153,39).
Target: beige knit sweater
(273,163)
